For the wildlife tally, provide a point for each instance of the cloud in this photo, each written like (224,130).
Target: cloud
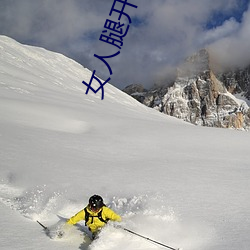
(228,28)
(49,21)
(233,49)
(162,33)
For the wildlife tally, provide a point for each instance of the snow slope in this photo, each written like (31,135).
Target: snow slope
(176,183)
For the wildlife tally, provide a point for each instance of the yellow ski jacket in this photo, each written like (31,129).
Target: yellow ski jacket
(94,223)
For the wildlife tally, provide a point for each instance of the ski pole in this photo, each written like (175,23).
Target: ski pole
(45,228)
(146,238)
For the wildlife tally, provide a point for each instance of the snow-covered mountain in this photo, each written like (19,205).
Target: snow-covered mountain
(202,96)
(182,185)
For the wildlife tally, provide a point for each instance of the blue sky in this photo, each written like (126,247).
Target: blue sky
(161,35)
(218,17)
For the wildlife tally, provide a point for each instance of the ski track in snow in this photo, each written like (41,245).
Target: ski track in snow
(43,116)
(145,214)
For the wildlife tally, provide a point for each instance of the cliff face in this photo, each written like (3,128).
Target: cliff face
(201,97)
(237,81)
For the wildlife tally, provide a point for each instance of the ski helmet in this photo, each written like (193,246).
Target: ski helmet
(95,202)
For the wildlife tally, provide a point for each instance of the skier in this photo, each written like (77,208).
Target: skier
(95,214)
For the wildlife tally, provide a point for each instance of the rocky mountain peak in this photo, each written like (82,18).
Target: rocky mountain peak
(202,97)
(196,64)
